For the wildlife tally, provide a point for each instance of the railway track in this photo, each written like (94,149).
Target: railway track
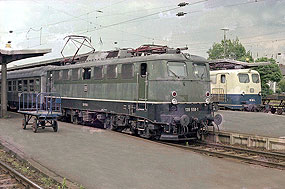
(10,178)
(264,158)
(257,157)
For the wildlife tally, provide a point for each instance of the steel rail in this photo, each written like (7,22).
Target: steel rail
(19,177)
(247,150)
(228,154)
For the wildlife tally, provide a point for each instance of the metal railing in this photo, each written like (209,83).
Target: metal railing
(50,102)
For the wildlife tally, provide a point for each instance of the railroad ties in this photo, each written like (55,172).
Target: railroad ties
(257,157)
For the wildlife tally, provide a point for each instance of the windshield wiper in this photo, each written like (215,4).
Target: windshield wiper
(174,73)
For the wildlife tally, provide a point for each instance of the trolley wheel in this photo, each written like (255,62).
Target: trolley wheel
(24,125)
(279,111)
(273,110)
(35,125)
(55,126)
(43,124)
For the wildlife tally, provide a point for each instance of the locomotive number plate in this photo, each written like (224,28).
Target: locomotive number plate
(191,109)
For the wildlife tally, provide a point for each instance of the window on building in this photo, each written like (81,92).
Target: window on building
(243,78)
(19,85)
(9,85)
(86,73)
(127,71)
(74,74)
(98,72)
(112,71)
(31,85)
(65,74)
(223,78)
(255,78)
(14,85)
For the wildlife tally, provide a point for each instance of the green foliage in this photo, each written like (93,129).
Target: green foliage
(234,50)
(268,73)
(265,59)
(281,85)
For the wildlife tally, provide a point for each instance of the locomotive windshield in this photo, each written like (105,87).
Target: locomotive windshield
(200,71)
(177,69)
(243,78)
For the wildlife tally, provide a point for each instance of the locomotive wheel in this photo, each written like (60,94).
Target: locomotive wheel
(35,125)
(279,111)
(55,126)
(24,125)
(273,110)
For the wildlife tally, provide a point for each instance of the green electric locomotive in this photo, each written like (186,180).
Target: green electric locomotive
(154,91)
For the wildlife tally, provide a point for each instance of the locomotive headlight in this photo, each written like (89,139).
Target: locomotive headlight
(174,101)
(174,94)
(207,100)
(208,94)
(259,93)
(243,93)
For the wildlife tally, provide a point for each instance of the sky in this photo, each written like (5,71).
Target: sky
(42,24)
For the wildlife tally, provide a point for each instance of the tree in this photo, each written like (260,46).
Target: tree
(268,73)
(234,50)
(281,85)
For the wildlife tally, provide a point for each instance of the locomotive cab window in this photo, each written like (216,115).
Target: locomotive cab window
(243,78)
(127,71)
(98,72)
(213,79)
(223,78)
(200,71)
(86,73)
(112,71)
(177,69)
(143,69)
(255,78)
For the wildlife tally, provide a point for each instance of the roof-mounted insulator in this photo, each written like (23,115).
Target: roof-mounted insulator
(183,4)
(181,14)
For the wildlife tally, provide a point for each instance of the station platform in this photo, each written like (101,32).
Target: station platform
(257,123)
(102,159)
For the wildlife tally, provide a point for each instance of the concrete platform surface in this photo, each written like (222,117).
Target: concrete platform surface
(258,123)
(102,159)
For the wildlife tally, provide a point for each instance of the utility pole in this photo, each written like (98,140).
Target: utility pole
(225,37)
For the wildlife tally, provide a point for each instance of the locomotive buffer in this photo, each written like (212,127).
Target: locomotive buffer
(45,108)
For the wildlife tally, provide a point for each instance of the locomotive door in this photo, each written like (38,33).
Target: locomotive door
(222,87)
(142,83)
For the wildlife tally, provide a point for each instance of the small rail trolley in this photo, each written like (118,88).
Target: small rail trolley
(45,108)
